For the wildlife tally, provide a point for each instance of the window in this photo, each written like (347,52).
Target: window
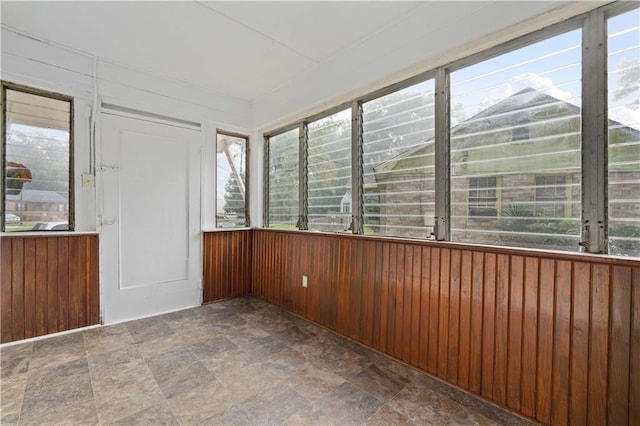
(624,134)
(398,162)
(37,160)
(283,180)
(231,181)
(514,118)
(329,172)
(513,128)
(551,195)
(483,199)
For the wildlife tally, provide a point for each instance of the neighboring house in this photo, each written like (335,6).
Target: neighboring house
(33,205)
(515,167)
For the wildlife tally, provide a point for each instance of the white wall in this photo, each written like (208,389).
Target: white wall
(44,65)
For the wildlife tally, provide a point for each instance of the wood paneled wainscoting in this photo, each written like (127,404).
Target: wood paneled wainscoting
(226,264)
(554,337)
(48,284)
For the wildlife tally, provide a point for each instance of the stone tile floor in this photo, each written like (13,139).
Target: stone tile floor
(239,361)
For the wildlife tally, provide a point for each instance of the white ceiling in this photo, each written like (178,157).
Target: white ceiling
(253,49)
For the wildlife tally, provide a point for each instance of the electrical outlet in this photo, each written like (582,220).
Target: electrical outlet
(305,281)
(88,181)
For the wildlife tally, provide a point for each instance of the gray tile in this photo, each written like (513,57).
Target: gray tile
(388,416)
(348,404)
(467,417)
(81,413)
(55,388)
(422,405)
(15,359)
(107,339)
(57,350)
(379,382)
(276,404)
(235,415)
(211,347)
(148,329)
(11,396)
(200,403)
(159,414)
(315,382)
(263,348)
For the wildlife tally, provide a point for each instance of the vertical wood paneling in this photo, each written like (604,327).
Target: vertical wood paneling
(49,284)
(226,264)
(550,337)
(619,349)
(530,337)
(477,312)
(488,320)
(514,350)
(465,319)
(545,340)
(579,344)
(634,376)
(561,344)
(6,287)
(599,346)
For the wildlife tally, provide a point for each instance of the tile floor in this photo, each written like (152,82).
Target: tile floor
(239,361)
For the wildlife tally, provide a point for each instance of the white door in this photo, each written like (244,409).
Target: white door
(149,179)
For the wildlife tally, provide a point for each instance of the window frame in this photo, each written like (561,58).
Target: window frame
(247,219)
(592,24)
(7,85)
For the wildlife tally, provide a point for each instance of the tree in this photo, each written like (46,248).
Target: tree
(234,200)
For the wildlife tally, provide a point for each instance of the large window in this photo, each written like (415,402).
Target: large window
(36,160)
(231,181)
(515,117)
(398,162)
(283,180)
(329,173)
(624,134)
(504,147)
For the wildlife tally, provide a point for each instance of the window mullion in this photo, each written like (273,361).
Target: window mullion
(357,201)
(442,157)
(594,134)
(267,169)
(303,140)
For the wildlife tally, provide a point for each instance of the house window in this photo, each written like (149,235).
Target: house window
(282,207)
(517,116)
(231,191)
(37,166)
(329,171)
(624,134)
(551,195)
(398,162)
(483,197)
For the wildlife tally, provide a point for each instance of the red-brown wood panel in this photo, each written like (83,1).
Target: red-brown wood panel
(475,356)
(45,283)
(226,264)
(545,340)
(579,344)
(454,318)
(514,349)
(29,283)
(599,346)
(465,319)
(634,376)
(489,322)
(530,337)
(425,288)
(6,290)
(619,349)
(548,335)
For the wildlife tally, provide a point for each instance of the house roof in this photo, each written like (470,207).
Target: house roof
(522,108)
(37,196)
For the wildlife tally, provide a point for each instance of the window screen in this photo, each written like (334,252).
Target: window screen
(37,161)
(624,134)
(329,173)
(231,171)
(398,162)
(515,119)
(282,209)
